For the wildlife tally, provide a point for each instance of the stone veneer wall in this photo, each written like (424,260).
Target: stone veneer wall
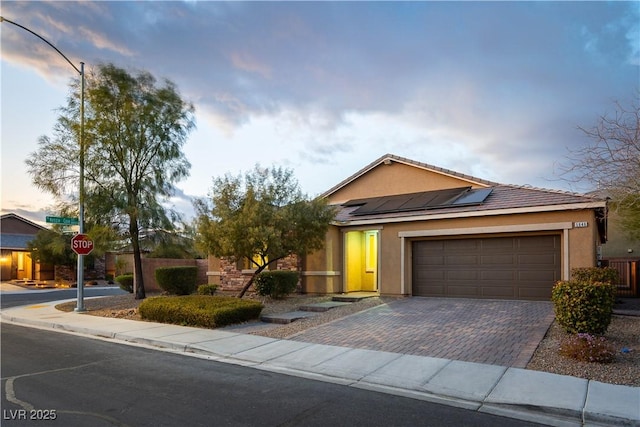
(233,280)
(68,274)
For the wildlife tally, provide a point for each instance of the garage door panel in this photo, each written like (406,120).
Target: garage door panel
(499,259)
(460,245)
(538,259)
(462,275)
(537,243)
(431,291)
(536,276)
(430,275)
(523,267)
(508,275)
(429,260)
(500,245)
(463,260)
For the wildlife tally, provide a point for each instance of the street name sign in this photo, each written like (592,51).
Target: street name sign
(62,220)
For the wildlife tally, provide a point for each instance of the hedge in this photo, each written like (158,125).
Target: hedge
(177,280)
(207,289)
(199,310)
(276,284)
(595,274)
(125,281)
(584,307)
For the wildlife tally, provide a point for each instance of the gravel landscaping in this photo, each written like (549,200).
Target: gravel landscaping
(623,334)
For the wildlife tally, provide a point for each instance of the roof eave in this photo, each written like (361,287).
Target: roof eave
(472,214)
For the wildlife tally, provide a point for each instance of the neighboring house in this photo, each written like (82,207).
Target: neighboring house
(622,253)
(410,228)
(15,258)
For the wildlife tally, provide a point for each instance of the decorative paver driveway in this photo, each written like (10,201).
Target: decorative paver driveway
(494,332)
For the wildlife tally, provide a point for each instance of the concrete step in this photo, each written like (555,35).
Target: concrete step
(352,297)
(323,306)
(284,318)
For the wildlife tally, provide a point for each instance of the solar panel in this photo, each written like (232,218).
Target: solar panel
(473,197)
(419,201)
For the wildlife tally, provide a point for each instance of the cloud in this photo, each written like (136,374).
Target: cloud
(493,88)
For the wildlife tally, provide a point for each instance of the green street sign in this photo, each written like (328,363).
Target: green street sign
(62,220)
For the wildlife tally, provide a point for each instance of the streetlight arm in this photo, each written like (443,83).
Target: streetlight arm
(80,282)
(3,19)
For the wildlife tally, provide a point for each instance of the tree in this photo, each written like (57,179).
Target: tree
(134,132)
(611,162)
(261,219)
(51,247)
(174,245)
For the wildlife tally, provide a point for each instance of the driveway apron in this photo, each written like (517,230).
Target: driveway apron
(493,332)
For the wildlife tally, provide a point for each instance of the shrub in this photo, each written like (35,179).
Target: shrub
(199,310)
(125,281)
(177,280)
(595,274)
(207,289)
(583,307)
(588,348)
(276,284)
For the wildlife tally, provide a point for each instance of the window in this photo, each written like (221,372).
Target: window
(371,251)
(244,265)
(20,260)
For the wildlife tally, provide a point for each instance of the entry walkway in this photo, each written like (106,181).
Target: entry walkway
(512,392)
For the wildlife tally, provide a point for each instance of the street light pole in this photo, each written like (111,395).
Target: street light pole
(80,278)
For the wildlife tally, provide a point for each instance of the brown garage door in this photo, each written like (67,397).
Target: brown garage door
(518,267)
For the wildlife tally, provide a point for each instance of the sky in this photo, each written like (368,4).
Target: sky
(495,90)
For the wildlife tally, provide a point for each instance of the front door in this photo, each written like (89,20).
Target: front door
(361,261)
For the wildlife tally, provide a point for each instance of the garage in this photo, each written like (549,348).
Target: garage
(514,267)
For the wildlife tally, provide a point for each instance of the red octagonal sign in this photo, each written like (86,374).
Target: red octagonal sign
(81,244)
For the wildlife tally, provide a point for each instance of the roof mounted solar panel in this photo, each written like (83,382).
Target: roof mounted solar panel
(473,197)
(408,202)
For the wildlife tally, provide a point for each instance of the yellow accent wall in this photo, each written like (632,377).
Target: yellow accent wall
(361,250)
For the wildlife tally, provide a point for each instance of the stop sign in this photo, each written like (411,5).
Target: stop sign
(81,244)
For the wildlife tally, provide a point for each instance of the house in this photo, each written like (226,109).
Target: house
(406,228)
(622,252)
(15,259)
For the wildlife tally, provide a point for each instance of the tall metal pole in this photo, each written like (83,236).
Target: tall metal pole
(80,278)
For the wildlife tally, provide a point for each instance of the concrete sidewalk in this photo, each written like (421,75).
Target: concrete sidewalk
(540,397)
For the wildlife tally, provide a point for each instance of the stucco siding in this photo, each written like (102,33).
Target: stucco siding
(395,251)
(395,178)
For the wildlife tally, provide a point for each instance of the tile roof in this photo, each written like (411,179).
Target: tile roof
(15,241)
(502,198)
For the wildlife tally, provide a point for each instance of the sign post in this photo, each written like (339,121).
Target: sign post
(82,245)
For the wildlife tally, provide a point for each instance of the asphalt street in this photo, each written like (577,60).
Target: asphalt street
(56,379)
(15,299)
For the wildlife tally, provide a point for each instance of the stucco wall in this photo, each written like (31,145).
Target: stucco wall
(620,244)
(117,264)
(322,270)
(395,178)
(581,244)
